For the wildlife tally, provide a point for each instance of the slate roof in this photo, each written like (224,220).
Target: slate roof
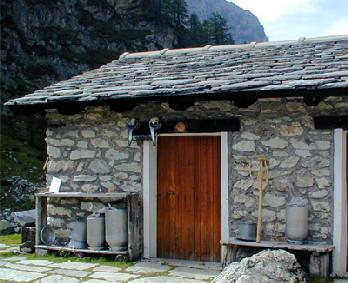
(233,70)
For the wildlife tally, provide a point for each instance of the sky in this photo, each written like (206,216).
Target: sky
(292,19)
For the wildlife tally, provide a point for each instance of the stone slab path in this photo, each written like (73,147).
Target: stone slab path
(20,269)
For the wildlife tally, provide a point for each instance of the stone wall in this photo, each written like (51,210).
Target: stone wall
(89,152)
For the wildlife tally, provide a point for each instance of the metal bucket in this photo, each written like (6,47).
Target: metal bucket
(116,228)
(247,232)
(96,231)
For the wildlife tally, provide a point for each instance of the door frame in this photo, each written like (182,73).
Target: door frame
(150,193)
(340,203)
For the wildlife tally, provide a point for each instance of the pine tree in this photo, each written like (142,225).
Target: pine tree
(218,30)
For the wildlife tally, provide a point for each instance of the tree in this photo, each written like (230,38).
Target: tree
(218,30)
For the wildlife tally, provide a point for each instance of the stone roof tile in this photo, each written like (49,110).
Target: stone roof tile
(317,63)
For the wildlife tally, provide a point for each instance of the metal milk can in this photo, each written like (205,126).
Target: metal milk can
(116,228)
(297,220)
(96,231)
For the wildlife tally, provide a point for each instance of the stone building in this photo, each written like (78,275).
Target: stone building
(220,109)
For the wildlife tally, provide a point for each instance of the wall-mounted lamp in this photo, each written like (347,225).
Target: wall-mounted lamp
(133,124)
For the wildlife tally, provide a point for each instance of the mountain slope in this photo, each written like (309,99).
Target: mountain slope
(244,26)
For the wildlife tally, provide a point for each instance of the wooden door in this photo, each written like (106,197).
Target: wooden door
(188,198)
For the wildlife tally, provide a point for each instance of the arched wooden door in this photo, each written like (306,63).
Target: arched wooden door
(188,198)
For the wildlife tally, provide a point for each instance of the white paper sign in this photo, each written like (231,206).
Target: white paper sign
(55,185)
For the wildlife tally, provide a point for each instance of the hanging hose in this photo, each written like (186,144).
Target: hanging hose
(263,182)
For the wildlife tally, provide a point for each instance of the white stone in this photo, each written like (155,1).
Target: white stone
(321,172)
(88,133)
(110,186)
(99,166)
(59,211)
(73,273)
(320,206)
(275,174)
(272,163)
(26,267)
(137,156)
(106,268)
(244,146)
(81,154)
(272,200)
(60,142)
(244,184)
(280,153)
(74,265)
(290,131)
(84,178)
(129,167)
(318,194)
(53,152)
(301,144)
(290,162)
(148,267)
(36,262)
(14,258)
(91,206)
(58,166)
(113,276)
(322,182)
(250,136)
(99,142)
(18,275)
(59,279)
(112,154)
(304,181)
(276,143)
(164,279)
(194,273)
(303,153)
(105,178)
(316,162)
(322,145)
(96,281)
(82,144)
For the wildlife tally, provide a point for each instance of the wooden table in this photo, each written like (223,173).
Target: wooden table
(319,253)
(134,206)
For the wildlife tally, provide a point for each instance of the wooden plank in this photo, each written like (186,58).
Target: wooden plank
(38,224)
(134,226)
(185,198)
(321,248)
(216,208)
(87,251)
(82,195)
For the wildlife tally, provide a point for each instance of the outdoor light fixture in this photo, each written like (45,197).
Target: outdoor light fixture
(154,125)
(180,127)
(133,124)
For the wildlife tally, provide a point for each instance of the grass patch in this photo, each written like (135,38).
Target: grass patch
(317,279)
(12,239)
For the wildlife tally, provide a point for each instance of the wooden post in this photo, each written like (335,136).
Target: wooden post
(263,172)
(134,227)
(40,221)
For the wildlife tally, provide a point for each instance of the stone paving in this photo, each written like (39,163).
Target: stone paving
(21,269)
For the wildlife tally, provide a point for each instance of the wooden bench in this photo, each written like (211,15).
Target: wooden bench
(319,253)
(134,222)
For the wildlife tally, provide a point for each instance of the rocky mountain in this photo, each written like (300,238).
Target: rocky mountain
(44,41)
(244,26)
